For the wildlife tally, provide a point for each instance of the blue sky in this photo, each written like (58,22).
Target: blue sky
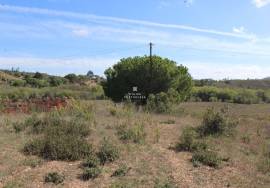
(214,39)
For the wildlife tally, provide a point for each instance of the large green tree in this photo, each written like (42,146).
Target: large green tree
(151,77)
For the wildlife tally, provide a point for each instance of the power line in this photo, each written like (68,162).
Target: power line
(106,51)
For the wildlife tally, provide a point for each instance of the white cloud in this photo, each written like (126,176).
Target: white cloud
(260,3)
(102,19)
(139,35)
(58,66)
(198,69)
(189,2)
(240,30)
(217,70)
(81,32)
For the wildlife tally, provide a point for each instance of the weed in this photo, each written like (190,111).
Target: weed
(91,173)
(188,141)
(121,171)
(91,161)
(32,162)
(113,111)
(54,177)
(107,152)
(64,141)
(18,127)
(246,139)
(164,184)
(135,133)
(206,157)
(216,123)
(157,134)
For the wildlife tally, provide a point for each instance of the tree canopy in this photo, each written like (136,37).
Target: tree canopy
(150,77)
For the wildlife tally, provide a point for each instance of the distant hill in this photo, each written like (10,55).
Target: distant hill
(31,79)
(7,77)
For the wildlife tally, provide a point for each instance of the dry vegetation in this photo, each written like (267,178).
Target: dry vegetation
(131,148)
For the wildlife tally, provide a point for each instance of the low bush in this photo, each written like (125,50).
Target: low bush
(206,157)
(136,133)
(121,171)
(158,103)
(107,152)
(59,147)
(91,173)
(234,95)
(54,177)
(61,139)
(188,141)
(216,123)
(91,161)
(18,127)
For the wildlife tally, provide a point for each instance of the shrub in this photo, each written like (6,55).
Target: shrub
(113,111)
(54,177)
(18,127)
(80,110)
(61,139)
(188,141)
(150,78)
(34,147)
(91,161)
(18,83)
(107,152)
(56,81)
(135,133)
(33,82)
(159,103)
(246,97)
(37,124)
(72,78)
(206,157)
(121,171)
(163,102)
(91,173)
(59,147)
(216,123)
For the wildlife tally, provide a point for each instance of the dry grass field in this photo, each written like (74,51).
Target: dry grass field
(149,157)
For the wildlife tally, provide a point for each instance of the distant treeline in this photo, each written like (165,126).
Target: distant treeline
(70,91)
(248,84)
(40,80)
(234,95)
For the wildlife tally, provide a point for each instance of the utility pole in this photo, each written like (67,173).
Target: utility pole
(151,67)
(151,48)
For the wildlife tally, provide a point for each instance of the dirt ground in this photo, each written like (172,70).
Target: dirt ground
(152,161)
